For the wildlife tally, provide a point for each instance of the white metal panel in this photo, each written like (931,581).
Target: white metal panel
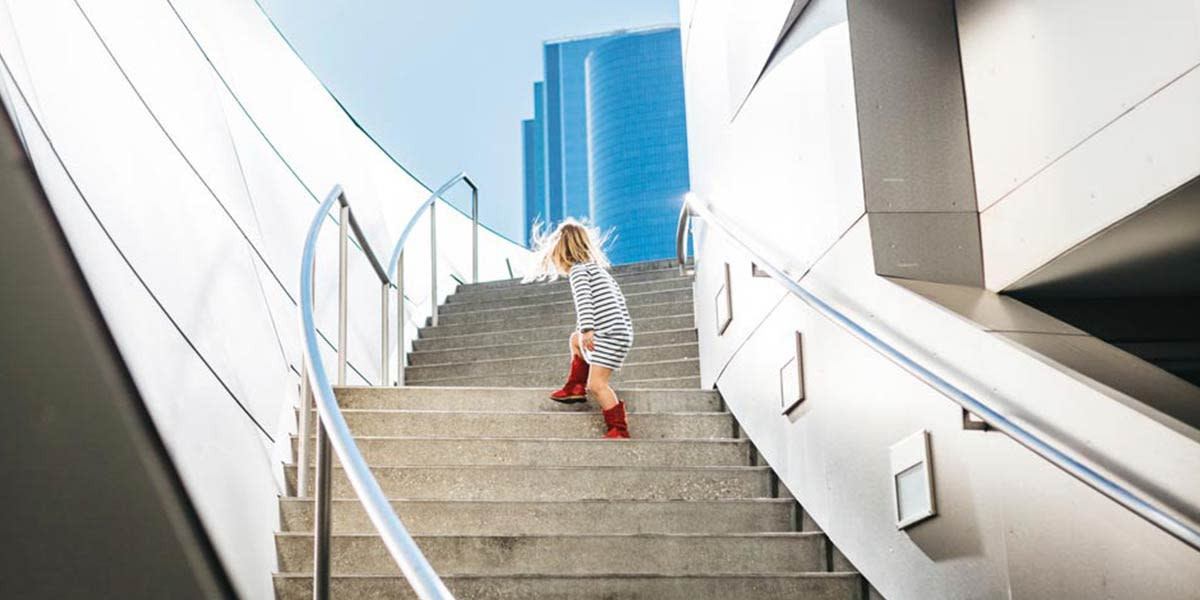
(223,458)
(267,148)
(1150,151)
(1042,76)
(832,450)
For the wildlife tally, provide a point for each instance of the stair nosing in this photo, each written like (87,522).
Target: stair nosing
(497,346)
(766,500)
(784,535)
(664,441)
(482,467)
(567,291)
(547,356)
(357,388)
(641,306)
(545,327)
(591,576)
(567,302)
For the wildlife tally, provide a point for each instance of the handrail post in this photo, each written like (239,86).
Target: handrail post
(400,322)
(324,480)
(307,405)
(474,233)
(433,260)
(384,333)
(303,460)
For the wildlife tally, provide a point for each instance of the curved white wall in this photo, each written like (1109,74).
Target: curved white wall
(786,171)
(185,147)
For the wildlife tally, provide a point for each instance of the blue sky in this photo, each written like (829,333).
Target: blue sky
(443,86)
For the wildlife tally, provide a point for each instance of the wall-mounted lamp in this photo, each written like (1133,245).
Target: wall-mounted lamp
(912,480)
(724,304)
(791,379)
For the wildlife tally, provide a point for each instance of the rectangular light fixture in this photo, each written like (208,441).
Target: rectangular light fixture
(724,304)
(912,480)
(791,379)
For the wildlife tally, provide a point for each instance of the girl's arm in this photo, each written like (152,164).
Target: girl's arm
(581,292)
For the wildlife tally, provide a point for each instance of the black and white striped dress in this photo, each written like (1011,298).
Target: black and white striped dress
(600,307)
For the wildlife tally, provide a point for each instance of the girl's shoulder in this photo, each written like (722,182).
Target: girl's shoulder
(582,266)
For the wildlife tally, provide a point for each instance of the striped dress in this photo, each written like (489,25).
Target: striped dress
(600,307)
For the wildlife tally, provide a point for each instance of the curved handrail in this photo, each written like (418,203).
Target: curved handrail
(1133,500)
(421,208)
(400,544)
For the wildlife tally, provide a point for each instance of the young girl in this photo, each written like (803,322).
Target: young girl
(604,331)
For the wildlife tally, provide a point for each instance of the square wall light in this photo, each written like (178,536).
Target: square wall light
(912,480)
(791,379)
(724,304)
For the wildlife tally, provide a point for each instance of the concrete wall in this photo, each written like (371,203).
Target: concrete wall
(786,171)
(185,154)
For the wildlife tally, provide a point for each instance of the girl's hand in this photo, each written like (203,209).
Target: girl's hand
(589,340)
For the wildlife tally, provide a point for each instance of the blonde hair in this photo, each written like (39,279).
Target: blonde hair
(571,243)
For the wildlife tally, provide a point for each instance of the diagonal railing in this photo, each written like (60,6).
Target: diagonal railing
(332,432)
(1136,501)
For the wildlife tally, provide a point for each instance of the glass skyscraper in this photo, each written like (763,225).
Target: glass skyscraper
(637,142)
(610,122)
(533,141)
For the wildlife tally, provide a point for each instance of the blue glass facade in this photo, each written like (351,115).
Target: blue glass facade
(566,130)
(614,142)
(528,161)
(533,143)
(637,137)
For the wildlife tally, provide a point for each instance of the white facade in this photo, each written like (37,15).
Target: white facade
(774,145)
(185,148)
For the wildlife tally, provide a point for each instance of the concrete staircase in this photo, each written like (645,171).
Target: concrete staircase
(511,495)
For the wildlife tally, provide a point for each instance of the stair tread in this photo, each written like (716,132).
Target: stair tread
(555,356)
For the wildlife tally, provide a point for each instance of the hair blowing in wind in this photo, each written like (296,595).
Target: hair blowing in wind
(570,243)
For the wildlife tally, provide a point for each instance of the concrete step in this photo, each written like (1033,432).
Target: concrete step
(521,296)
(622,274)
(554,308)
(554,362)
(444,338)
(607,586)
(557,317)
(692,383)
(569,554)
(432,517)
(417,451)
(539,348)
(464,482)
(519,399)
(545,425)
(676,374)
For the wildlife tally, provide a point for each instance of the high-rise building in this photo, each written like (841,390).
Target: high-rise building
(622,91)
(533,137)
(637,142)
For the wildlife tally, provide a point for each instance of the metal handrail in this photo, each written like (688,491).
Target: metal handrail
(395,264)
(332,430)
(1133,500)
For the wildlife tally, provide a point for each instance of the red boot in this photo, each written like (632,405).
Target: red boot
(615,419)
(574,390)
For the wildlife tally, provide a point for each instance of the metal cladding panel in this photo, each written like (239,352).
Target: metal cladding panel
(1081,114)
(786,173)
(184,153)
(1041,78)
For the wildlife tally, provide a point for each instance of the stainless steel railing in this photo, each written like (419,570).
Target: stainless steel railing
(332,433)
(1134,500)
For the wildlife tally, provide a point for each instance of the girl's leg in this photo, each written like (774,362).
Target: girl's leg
(574,390)
(614,409)
(597,384)
(574,343)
